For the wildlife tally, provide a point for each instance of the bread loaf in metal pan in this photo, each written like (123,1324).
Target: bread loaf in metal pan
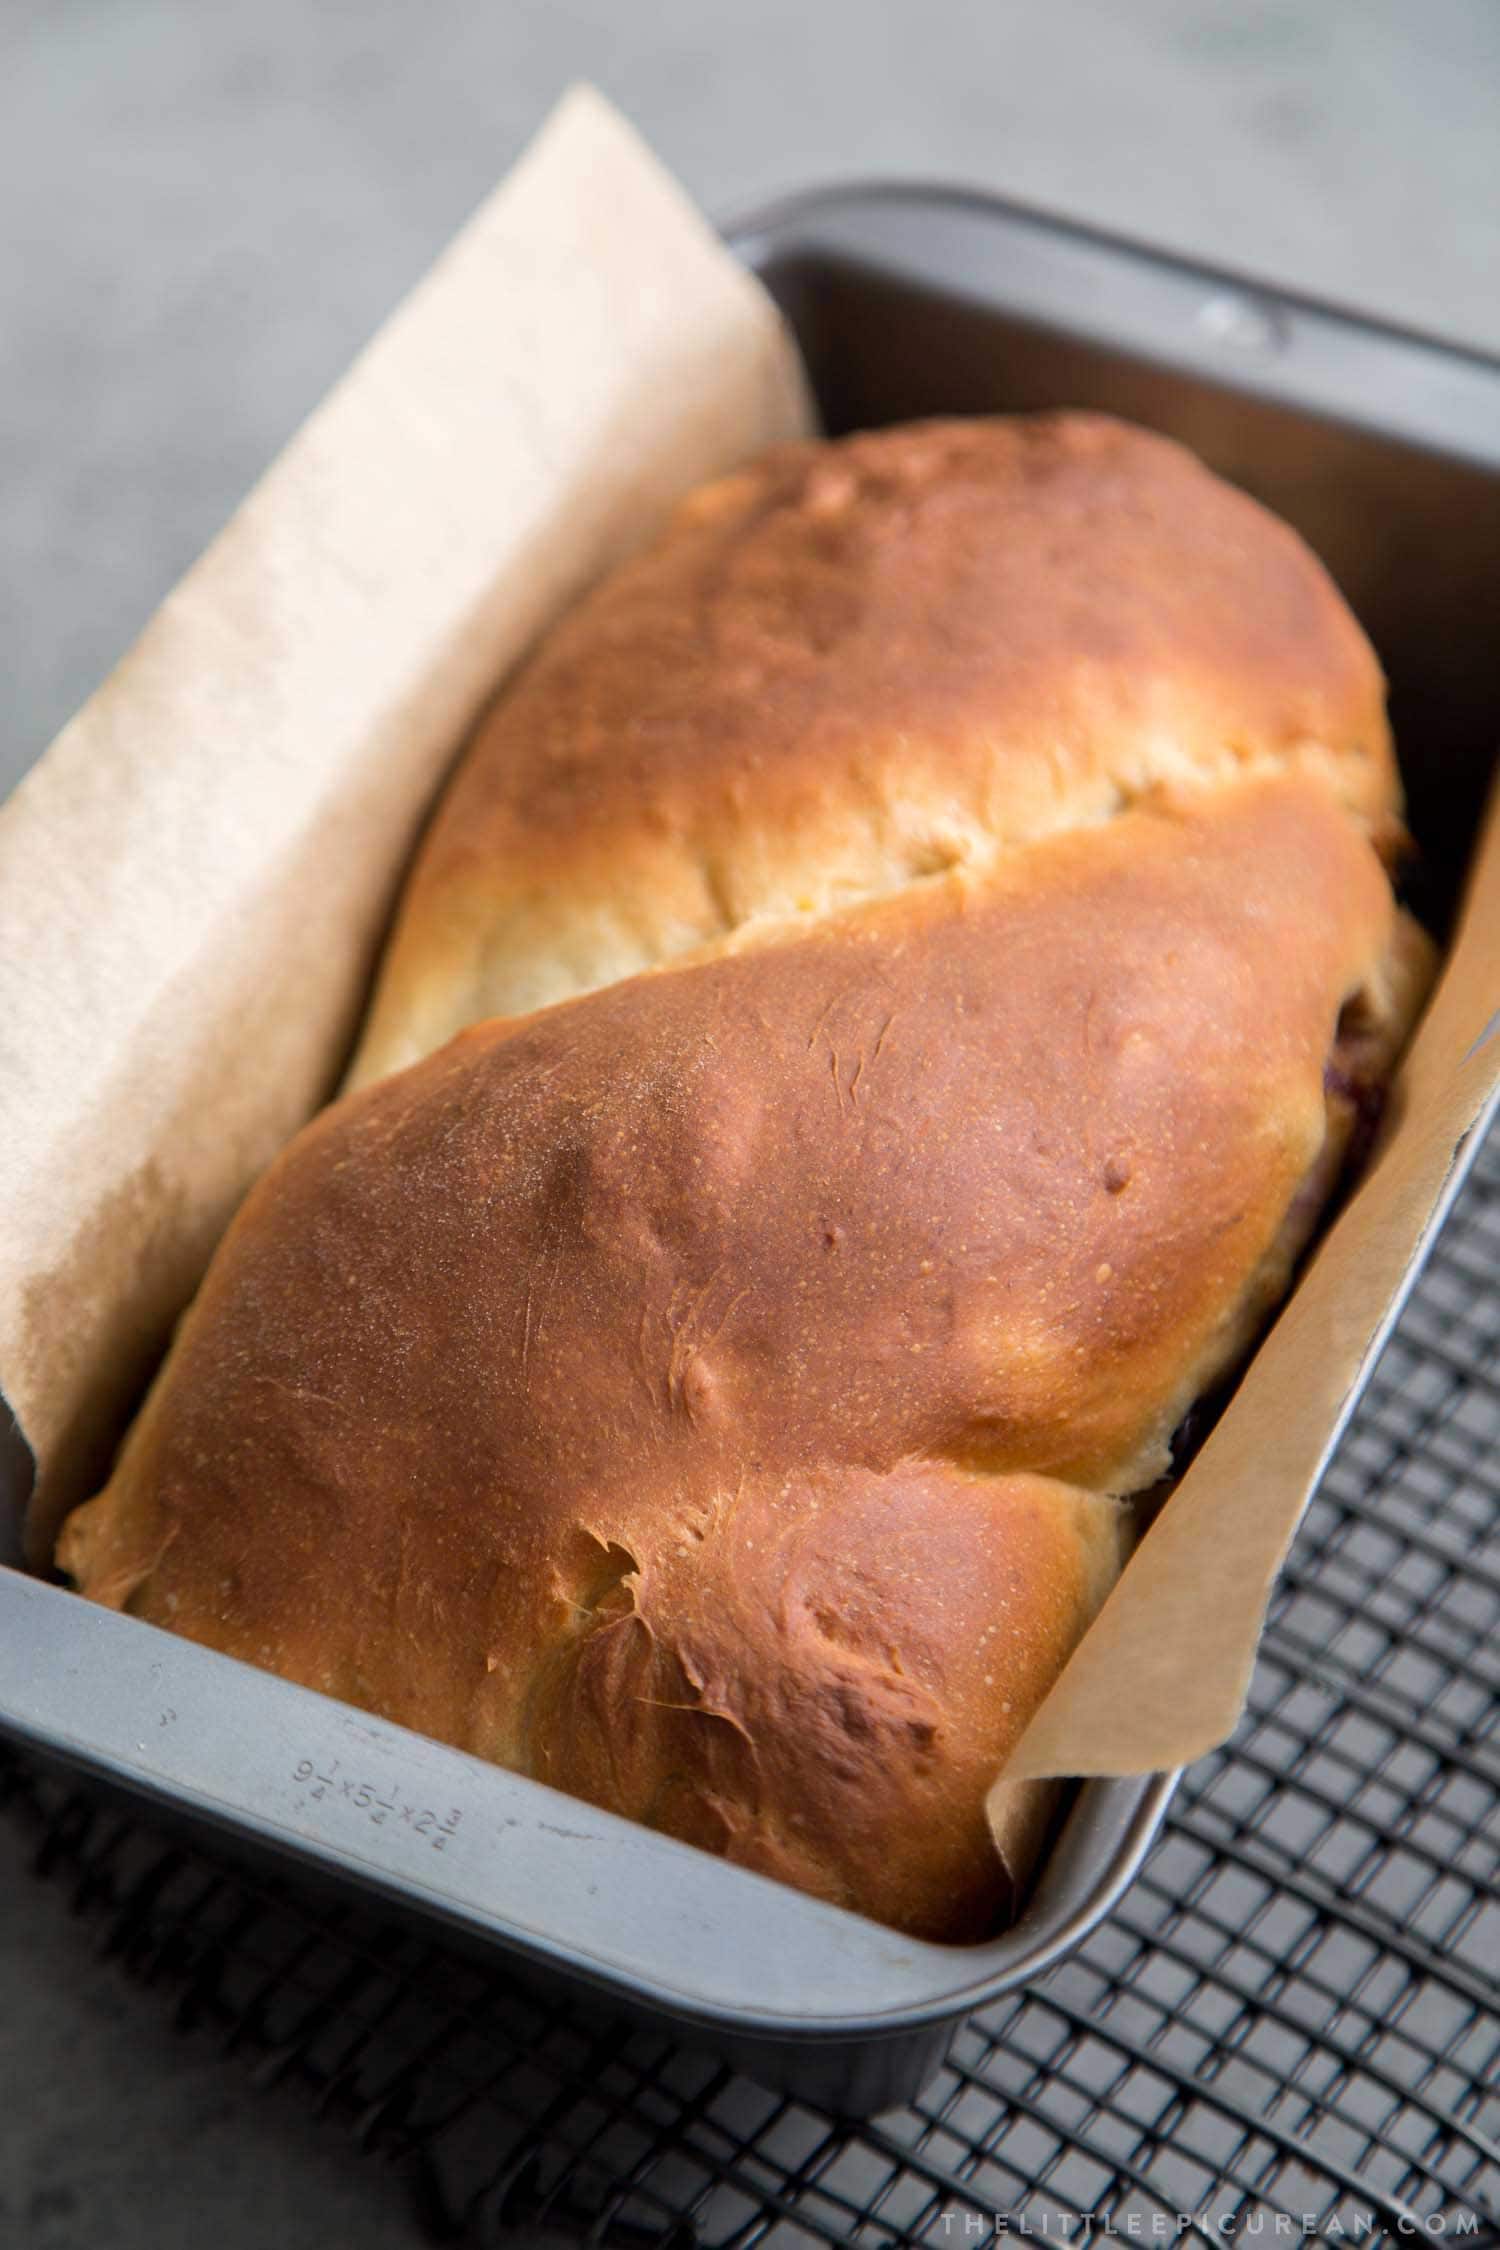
(865,1039)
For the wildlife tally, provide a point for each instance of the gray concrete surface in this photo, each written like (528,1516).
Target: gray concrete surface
(207,209)
(118,2134)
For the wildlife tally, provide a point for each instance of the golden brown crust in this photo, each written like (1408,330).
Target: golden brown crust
(852,664)
(829,1663)
(544,1386)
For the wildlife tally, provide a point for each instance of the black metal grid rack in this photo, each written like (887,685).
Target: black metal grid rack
(1294,2011)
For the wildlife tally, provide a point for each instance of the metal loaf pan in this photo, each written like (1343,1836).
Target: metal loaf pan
(1384,449)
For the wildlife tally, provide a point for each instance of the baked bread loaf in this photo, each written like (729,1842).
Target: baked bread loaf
(873,1022)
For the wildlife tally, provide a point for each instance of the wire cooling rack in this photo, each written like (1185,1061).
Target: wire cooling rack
(1294,2014)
